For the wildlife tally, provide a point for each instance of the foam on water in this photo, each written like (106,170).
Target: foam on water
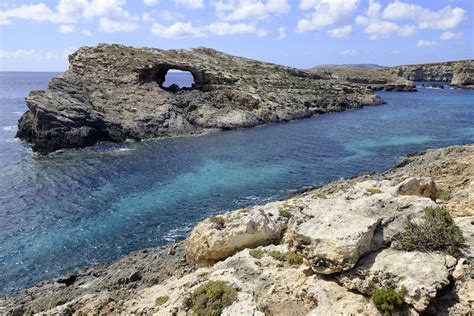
(82,206)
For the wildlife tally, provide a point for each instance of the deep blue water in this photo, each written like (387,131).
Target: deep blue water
(78,207)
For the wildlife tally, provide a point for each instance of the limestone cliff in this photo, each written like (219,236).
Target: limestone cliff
(374,79)
(457,73)
(114,92)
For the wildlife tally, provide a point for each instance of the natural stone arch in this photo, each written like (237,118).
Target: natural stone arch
(157,73)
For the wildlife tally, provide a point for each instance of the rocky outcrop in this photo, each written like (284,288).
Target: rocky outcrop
(457,73)
(372,79)
(114,92)
(219,237)
(320,252)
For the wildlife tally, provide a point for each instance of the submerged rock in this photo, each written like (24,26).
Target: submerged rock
(114,92)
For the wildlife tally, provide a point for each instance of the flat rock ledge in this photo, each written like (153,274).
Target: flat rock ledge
(114,93)
(321,252)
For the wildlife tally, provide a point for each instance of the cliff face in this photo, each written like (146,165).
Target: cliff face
(371,78)
(457,73)
(113,92)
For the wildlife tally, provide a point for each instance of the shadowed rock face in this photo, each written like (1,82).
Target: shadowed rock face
(113,92)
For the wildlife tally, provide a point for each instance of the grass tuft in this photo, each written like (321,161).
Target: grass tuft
(389,301)
(256,253)
(160,300)
(218,221)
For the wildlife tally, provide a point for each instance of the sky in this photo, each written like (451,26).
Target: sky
(39,35)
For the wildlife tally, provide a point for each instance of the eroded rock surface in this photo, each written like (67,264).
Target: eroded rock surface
(457,73)
(373,79)
(114,92)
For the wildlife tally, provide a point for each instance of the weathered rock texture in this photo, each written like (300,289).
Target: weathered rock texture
(113,92)
(370,78)
(457,73)
(343,232)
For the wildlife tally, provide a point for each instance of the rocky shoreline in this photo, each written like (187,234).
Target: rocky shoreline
(458,74)
(322,251)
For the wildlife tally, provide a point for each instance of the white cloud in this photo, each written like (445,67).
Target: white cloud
(424,43)
(377,27)
(87,33)
(448,36)
(31,54)
(111,26)
(66,28)
(34,12)
(282,33)
(446,18)
(151,2)
(176,30)
(223,28)
(395,52)
(190,4)
(326,13)
(341,32)
(349,52)
(111,14)
(187,30)
(234,10)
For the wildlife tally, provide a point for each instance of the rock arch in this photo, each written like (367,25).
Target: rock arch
(157,73)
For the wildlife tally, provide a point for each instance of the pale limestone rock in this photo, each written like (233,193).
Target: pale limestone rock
(247,228)
(422,274)
(334,241)
(420,186)
(333,299)
(336,230)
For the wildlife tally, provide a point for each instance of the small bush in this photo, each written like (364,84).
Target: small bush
(443,195)
(160,300)
(374,190)
(437,232)
(218,221)
(319,195)
(389,301)
(293,258)
(277,255)
(285,212)
(212,297)
(256,253)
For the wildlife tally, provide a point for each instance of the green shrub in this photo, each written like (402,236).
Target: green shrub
(218,221)
(285,212)
(277,255)
(389,301)
(443,195)
(436,232)
(374,190)
(256,253)
(319,195)
(160,300)
(293,258)
(212,297)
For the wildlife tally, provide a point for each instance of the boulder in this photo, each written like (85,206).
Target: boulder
(219,237)
(419,186)
(422,274)
(334,241)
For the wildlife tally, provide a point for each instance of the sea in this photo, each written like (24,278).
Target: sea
(78,207)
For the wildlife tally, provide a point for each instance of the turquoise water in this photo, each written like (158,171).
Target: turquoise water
(78,207)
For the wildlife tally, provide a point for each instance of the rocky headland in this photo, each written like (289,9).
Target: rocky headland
(352,247)
(114,93)
(372,78)
(457,73)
